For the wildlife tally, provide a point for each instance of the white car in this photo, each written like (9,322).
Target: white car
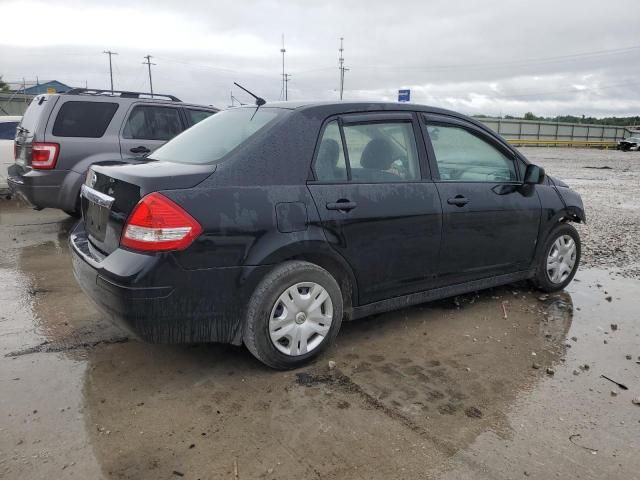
(8,125)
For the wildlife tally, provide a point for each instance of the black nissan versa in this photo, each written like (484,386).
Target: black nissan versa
(268,225)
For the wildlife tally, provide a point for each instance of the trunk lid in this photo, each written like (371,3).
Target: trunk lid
(111,191)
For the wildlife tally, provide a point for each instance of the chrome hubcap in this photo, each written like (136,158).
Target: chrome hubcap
(561,259)
(301,318)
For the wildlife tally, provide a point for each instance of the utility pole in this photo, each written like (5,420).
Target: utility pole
(285,76)
(110,53)
(341,67)
(286,86)
(148,64)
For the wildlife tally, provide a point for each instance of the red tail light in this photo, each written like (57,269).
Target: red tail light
(44,155)
(157,224)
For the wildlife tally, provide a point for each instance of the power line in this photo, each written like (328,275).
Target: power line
(523,62)
(110,53)
(148,64)
(575,90)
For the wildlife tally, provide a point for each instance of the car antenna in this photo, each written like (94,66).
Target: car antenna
(259,100)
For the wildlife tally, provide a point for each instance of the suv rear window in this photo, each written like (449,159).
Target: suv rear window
(84,119)
(214,137)
(32,116)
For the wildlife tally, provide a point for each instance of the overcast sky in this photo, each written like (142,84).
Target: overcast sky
(492,56)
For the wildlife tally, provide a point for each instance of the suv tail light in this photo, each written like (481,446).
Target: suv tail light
(157,224)
(44,155)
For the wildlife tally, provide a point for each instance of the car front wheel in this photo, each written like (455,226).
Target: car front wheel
(560,259)
(293,315)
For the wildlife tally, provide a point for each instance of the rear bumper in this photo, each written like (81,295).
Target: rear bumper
(158,300)
(44,188)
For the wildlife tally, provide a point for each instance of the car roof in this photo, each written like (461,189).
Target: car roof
(362,106)
(10,118)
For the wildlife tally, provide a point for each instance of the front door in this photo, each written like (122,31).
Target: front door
(375,207)
(490,222)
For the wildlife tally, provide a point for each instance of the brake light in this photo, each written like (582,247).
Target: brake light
(44,155)
(157,224)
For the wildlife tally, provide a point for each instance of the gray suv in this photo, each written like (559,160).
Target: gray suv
(61,135)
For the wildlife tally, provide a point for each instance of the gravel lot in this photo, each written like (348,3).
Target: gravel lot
(501,384)
(611,237)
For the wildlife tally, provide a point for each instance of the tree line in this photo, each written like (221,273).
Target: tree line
(619,121)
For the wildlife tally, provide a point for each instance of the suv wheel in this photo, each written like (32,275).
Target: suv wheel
(560,259)
(293,315)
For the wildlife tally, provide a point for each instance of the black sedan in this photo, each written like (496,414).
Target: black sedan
(268,226)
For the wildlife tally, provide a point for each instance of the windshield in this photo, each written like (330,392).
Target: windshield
(214,137)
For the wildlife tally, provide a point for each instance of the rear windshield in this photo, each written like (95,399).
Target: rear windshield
(84,119)
(31,117)
(212,138)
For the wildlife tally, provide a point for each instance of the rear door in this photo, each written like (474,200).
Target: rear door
(490,223)
(378,207)
(147,127)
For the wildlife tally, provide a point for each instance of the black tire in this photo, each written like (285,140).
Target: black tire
(256,329)
(542,280)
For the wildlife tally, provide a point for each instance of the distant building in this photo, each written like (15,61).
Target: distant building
(52,86)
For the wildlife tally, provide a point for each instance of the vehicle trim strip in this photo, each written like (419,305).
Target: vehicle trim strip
(96,196)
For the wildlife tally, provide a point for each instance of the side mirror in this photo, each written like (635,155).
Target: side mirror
(533,175)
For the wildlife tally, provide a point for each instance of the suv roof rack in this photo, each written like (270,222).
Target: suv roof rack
(119,93)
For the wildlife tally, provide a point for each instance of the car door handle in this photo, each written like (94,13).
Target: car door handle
(140,149)
(458,201)
(342,205)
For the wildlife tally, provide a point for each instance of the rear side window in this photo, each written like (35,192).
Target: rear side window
(148,122)
(8,130)
(463,157)
(84,119)
(196,116)
(376,152)
(382,152)
(330,164)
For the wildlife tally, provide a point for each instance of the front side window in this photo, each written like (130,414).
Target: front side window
(211,139)
(8,130)
(461,156)
(196,116)
(153,123)
(83,119)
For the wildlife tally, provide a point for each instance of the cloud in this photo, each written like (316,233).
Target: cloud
(487,57)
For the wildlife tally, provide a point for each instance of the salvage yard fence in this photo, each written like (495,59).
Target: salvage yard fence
(539,133)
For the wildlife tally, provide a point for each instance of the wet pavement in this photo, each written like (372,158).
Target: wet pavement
(501,384)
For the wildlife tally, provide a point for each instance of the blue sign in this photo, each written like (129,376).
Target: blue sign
(404,95)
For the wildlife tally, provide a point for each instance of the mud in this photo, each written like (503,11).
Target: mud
(443,390)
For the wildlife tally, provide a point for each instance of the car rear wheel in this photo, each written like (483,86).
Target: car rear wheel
(560,259)
(293,315)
